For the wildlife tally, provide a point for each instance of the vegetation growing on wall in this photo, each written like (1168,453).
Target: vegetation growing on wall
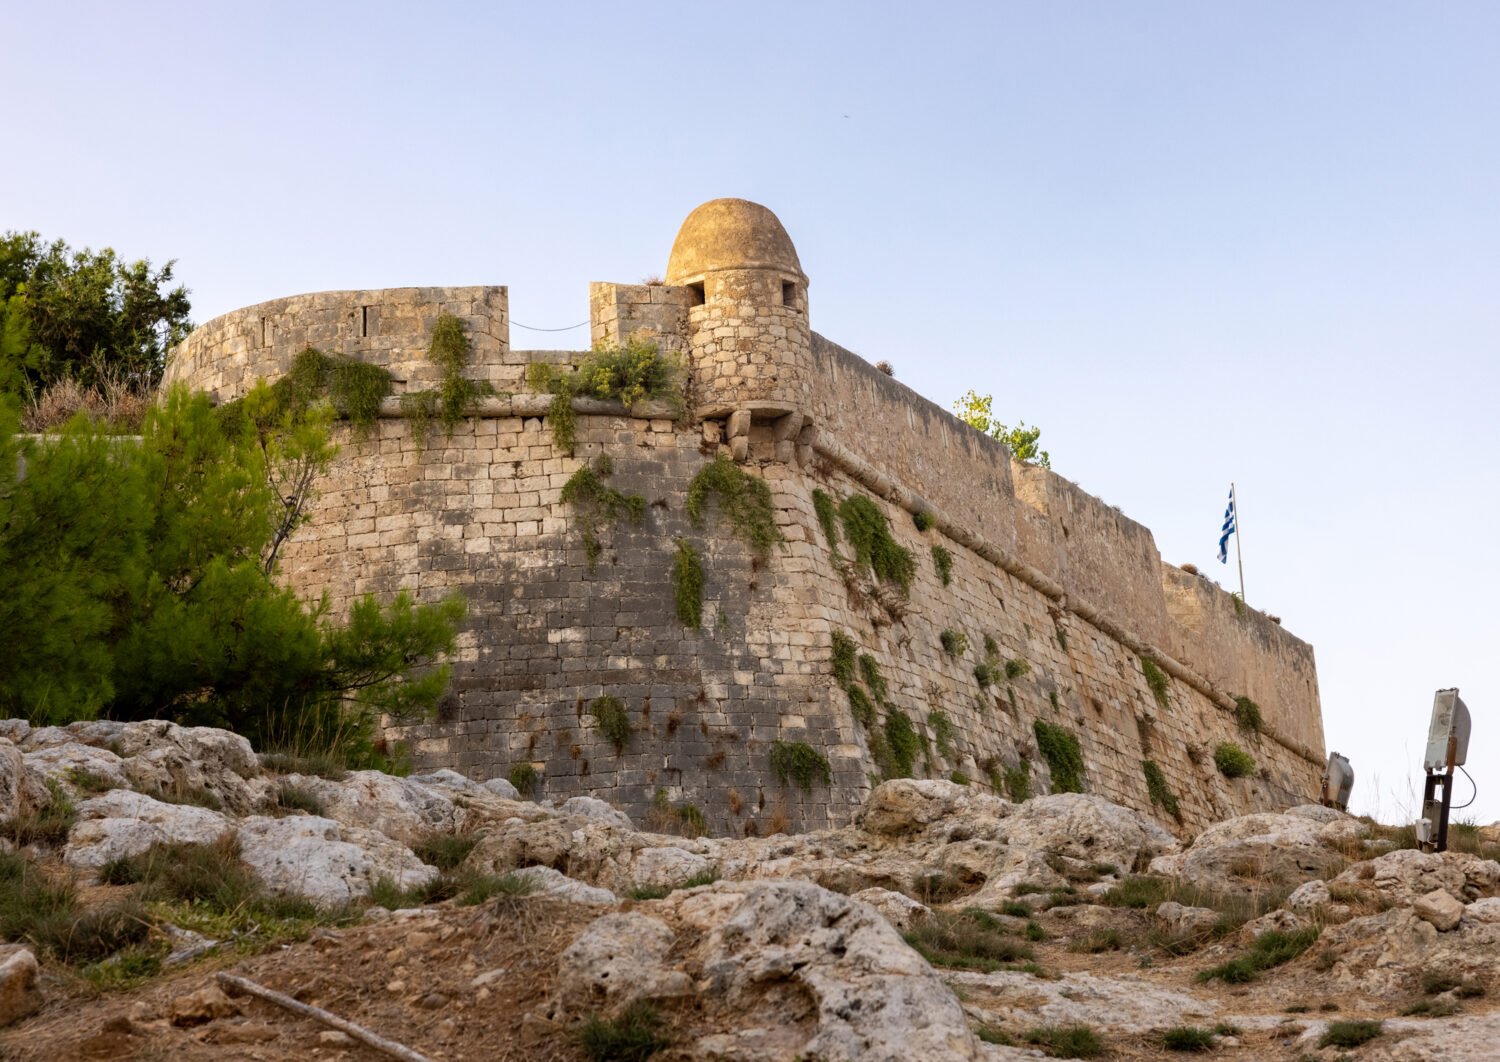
(1059,747)
(744,501)
(626,374)
(869,535)
(355,388)
(861,707)
(1157,680)
(597,503)
(524,777)
(827,511)
(799,762)
(687,584)
(974,410)
(1233,761)
(942,732)
(955,642)
(923,519)
(869,670)
(455,395)
(902,742)
(844,650)
(1247,715)
(984,674)
(1161,793)
(1018,782)
(942,560)
(1016,667)
(609,716)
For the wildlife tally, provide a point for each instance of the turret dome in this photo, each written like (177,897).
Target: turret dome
(731,234)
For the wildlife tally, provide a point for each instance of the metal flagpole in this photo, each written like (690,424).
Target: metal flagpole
(1239,559)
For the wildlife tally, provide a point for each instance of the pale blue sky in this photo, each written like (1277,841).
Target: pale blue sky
(1194,242)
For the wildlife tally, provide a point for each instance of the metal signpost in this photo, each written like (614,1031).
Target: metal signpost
(1447,748)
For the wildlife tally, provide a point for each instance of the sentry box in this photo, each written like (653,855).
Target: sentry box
(1447,749)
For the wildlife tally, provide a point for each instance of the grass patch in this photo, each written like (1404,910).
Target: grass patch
(47,825)
(87,782)
(989,1034)
(318,764)
(744,501)
(1350,1033)
(44,912)
(295,798)
(634,1036)
(968,940)
(524,777)
(444,850)
(1059,747)
(1100,940)
(1187,1038)
(1431,1008)
(1067,1041)
(799,762)
(482,887)
(1233,761)
(1269,950)
(1157,681)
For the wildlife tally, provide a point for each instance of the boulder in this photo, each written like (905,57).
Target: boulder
(618,960)
(906,806)
(22,790)
(450,780)
(559,886)
(63,762)
(205,1005)
(1181,919)
(1405,874)
(501,787)
(123,823)
(1266,849)
(19,995)
(1485,910)
(401,808)
(314,857)
(1309,896)
(595,810)
(901,911)
(1084,830)
(190,760)
(14,731)
(1439,909)
(666,867)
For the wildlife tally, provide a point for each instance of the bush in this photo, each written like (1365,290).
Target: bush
(955,643)
(1188,1038)
(1067,1041)
(967,940)
(687,584)
(902,741)
(797,761)
(744,501)
(1233,761)
(1247,715)
(1157,681)
(634,1036)
(869,534)
(1161,793)
(1015,668)
(1269,950)
(609,716)
(524,777)
(1350,1033)
(942,560)
(827,512)
(844,652)
(1060,749)
(869,670)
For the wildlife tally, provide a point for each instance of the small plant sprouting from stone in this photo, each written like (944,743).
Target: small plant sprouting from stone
(827,511)
(597,503)
(902,742)
(1239,603)
(1018,782)
(1062,639)
(1157,681)
(943,732)
(1233,761)
(1161,793)
(524,777)
(1015,668)
(869,534)
(955,643)
(844,653)
(799,762)
(1059,747)
(869,670)
(687,584)
(1052,700)
(1350,1033)
(923,519)
(1188,1038)
(623,374)
(1247,715)
(942,560)
(1067,1041)
(744,501)
(984,674)
(609,716)
(354,388)
(637,1034)
(861,707)
(959,778)
(455,395)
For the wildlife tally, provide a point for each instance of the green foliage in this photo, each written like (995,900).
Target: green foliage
(83,315)
(1187,1038)
(959,778)
(597,503)
(923,519)
(1016,667)
(869,535)
(861,707)
(295,798)
(869,670)
(687,584)
(355,388)
(744,500)
(985,674)
(609,716)
(844,650)
(1233,761)
(524,777)
(942,731)
(942,560)
(967,940)
(902,741)
(1157,680)
(974,410)
(634,1036)
(1350,1033)
(47,825)
(482,887)
(135,582)
(1247,715)
(1269,950)
(797,761)
(827,511)
(1059,747)
(1067,1041)
(955,643)
(628,375)
(991,1035)
(455,395)
(1018,782)
(991,647)
(1161,793)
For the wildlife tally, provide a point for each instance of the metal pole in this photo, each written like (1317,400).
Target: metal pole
(1239,559)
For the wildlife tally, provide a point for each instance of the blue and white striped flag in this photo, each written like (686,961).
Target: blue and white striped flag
(1227,530)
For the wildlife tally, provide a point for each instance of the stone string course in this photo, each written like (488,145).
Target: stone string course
(1057,578)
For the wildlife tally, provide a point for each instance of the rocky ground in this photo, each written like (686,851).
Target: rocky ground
(141,861)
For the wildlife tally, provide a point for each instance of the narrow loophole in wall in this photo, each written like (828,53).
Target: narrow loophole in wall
(364,321)
(789,294)
(695,294)
(265,331)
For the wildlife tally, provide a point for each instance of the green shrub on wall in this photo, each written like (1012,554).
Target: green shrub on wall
(903,742)
(524,777)
(1161,793)
(869,670)
(687,584)
(1018,782)
(844,651)
(1059,747)
(744,501)
(943,732)
(799,762)
(1247,715)
(455,395)
(1233,761)
(1158,682)
(955,643)
(624,374)
(355,388)
(869,535)
(942,560)
(861,707)
(597,503)
(827,511)
(609,716)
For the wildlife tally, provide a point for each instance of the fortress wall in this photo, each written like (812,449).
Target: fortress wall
(618,311)
(390,327)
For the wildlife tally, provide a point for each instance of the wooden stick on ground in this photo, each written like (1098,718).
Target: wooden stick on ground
(238,985)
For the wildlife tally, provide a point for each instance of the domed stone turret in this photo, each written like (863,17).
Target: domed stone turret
(731,234)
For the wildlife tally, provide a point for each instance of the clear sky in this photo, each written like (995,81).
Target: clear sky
(1194,242)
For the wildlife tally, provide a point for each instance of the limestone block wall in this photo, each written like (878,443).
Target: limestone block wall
(750,343)
(390,327)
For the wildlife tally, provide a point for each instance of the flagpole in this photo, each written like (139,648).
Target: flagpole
(1238,534)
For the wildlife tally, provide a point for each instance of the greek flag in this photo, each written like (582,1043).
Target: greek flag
(1227,530)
